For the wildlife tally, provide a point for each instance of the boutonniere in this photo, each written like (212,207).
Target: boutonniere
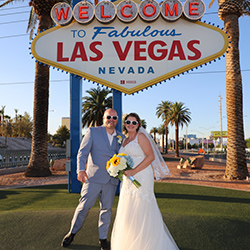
(119,138)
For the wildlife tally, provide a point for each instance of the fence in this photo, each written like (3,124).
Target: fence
(21,157)
(224,156)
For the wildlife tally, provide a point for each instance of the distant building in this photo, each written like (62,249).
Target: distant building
(193,141)
(66,122)
(209,141)
(190,136)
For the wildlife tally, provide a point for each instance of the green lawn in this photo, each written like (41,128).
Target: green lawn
(198,218)
(170,159)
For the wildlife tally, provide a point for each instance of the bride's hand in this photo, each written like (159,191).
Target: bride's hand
(130,172)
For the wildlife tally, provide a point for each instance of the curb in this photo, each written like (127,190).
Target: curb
(13,170)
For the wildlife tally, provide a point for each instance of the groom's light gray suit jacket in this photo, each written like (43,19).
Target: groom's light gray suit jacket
(95,150)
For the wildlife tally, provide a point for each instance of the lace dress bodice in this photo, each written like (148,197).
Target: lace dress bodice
(134,150)
(145,177)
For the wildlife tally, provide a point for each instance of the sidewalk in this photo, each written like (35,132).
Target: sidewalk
(210,175)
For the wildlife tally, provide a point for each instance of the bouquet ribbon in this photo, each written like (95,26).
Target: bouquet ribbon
(134,181)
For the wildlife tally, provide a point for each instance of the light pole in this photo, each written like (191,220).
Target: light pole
(186,137)
(207,135)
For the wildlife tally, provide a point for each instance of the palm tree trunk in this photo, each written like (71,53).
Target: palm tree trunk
(162,139)
(176,140)
(39,164)
(236,167)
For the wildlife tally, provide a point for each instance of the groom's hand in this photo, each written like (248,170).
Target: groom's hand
(82,176)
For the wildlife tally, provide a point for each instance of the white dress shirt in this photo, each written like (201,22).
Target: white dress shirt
(111,137)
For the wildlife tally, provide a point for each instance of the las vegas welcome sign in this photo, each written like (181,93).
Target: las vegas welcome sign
(129,45)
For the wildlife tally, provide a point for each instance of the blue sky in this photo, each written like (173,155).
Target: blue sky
(199,90)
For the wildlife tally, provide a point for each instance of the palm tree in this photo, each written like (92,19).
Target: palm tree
(153,131)
(161,131)
(143,123)
(7,117)
(39,164)
(2,117)
(16,111)
(20,117)
(179,115)
(94,106)
(229,12)
(163,111)
(2,111)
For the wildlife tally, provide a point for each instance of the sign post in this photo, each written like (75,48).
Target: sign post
(74,186)
(117,105)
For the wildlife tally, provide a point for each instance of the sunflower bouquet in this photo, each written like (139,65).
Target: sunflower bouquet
(120,163)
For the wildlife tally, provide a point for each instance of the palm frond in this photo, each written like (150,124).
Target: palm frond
(211,3)
(10,1)
(246,8)
(33,18)
(94,106)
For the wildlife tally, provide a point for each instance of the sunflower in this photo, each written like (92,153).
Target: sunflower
(107,165)
(122,154)
(115,160)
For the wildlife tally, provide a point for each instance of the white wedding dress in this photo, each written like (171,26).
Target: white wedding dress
(138,224)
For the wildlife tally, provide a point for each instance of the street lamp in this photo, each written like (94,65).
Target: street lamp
(186,137)
(207,135)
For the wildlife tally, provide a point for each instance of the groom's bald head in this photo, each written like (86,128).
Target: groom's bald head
(110,119)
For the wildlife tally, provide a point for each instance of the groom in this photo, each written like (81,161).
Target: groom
(97,147)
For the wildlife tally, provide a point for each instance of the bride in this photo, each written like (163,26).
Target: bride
(138,224)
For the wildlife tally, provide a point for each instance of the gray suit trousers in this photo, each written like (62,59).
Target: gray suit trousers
(89,193)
